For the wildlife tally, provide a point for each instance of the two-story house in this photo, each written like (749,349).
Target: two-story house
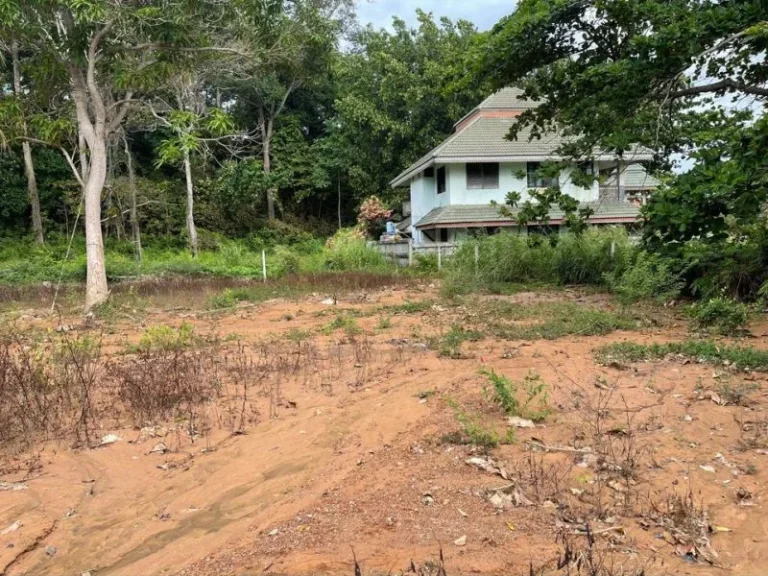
(453,186)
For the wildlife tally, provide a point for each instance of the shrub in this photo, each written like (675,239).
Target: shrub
(648,277)
(721,316)
(450,343)
(510,257)
(700,350)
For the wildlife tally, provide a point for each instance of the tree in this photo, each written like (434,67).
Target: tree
(109,53)
(613,73)
(29,166)
(189,122)
(295,40)
(400,94)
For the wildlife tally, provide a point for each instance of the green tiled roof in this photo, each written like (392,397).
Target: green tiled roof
(481,214)
(484,139)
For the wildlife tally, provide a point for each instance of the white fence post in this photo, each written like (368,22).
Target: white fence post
(264,264)
(477,259)
(410,252)
(439,257)
(613,249)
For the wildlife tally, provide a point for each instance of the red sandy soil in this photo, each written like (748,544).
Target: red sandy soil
(361,466)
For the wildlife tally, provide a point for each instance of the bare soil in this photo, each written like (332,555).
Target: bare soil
(348,459)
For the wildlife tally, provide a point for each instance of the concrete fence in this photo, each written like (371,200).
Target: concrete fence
(406,253)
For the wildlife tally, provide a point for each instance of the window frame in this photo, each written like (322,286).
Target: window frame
(488,177)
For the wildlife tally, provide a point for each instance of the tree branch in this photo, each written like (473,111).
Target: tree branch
(728,84)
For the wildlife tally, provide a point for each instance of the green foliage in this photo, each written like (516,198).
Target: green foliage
(737,357)
(346,251)
(505,393)
(384,323)
(343,322)
(514,258)
(647,277)
(473,430)
(721,316)
(166,338)
(450,344)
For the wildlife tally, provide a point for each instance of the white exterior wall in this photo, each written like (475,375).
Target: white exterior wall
(424,196)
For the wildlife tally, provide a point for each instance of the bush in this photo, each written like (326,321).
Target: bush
(515,258)
(648,277)
(347,251)
(721,316)
(504,393)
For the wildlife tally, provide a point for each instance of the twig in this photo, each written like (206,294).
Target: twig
(568,449)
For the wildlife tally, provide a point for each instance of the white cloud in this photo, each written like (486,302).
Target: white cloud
(484,13)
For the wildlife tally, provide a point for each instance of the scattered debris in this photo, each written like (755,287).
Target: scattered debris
(489,465)
(12,486)
(517,422)
(274,532)
(159,448)
(12,528)
(427,499)
(50,551)
(708,468)
(464,514)
(109,439)
(460,541)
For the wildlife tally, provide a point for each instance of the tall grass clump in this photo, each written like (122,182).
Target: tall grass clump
(348,251)
(510,257)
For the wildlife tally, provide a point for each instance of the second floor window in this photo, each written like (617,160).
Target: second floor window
(441,180)
(535,180)
(483,176)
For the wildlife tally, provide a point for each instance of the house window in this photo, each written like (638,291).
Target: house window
(536,181)
(482,176)
(443,234)
(441,180)
(429,172)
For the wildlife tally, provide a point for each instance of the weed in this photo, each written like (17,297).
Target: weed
(504,394)
(408,307)
(473,431)
(341,322)
(384,323)
(720,316)
(296,335)
(736,394)
(165,338)
(450,344)
(705,351)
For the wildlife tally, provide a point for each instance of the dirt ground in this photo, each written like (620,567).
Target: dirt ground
(349,460)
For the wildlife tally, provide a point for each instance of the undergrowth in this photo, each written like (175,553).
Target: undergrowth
(706,351)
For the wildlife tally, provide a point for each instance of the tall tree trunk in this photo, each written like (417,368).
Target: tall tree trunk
(29,166)
(266,136)
(134,213)
(191,229)
(96,290)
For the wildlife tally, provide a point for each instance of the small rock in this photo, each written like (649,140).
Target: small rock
(390,521)
(274,533)
(427,499)
(328,302)
(50,551)
(688,418)
(461,541)
(708,468)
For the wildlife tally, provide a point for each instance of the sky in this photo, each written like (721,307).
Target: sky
(484,13)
